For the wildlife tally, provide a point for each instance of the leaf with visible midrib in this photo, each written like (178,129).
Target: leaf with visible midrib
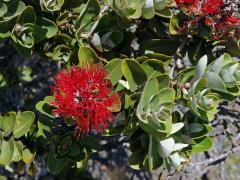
(7,150)
(28,15)
(7,123)
(114,70)
(87,55)
(134,73)
(204,144)
(23,123)
(18,147)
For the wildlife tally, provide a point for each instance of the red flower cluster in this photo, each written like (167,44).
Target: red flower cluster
(189,5)
(225,27)
(85,95)
(201,7)
(211,6)
(220,21)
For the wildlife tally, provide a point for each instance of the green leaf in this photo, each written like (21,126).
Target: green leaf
(3,9)
(61,52)
(200,69)
(136,158)
(27,155)
(179,146)
(111,39)
(6,28)
(166,147)
(74,150)
(233,46)
(28,15)
(114,70)
(228,74)
(90,142)
(91,10)
(198,86)
(44,108)
(175,160)
(134,73)
(200,134)
(55,165)
(166,13)
(24,35)
(87,55)
(195,128)
(158,126)
(23,124)
(196,50)
(166,95)
(176,127)
(18,148)
(25,52)
(7,150)
(49,99)
(44,127)
(132,125)
(149,90)
(163,81)
(49,27)
(67,16)
(7,123)
(82,156)
(159,4)
(153,159)
(161,57)
(153,67)
(161,46)
(53,5)
(134,10)
(208,115)
(214,81)
(66,141)
(217,65)
(26,74)
(96,41)
(174,25)
(148,9)
(202,144)
(14,9)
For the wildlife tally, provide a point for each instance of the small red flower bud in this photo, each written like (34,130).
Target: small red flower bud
(208,21)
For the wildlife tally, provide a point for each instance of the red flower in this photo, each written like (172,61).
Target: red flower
(208,21)
(203,7)
(85,95)
(231,19)
(225,27)
(215,14)
(190,5)
(211,7)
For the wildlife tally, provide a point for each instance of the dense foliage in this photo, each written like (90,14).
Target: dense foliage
(154,71)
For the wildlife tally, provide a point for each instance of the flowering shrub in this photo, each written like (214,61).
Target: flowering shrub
(162,66)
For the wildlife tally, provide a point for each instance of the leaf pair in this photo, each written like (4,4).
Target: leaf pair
(14,127)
